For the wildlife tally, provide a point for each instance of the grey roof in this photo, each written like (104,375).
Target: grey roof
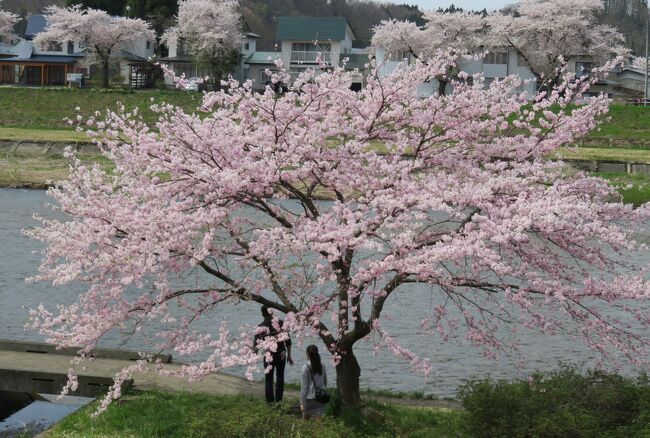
(262,58)
(311,28)
(35,24)
(26,50)
(45,59)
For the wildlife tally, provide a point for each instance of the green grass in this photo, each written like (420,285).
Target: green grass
(39,170)
(627,122)
(35,134)
(637,194)
(46,108)
(160,414)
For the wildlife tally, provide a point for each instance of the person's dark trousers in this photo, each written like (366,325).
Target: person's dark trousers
(278,367)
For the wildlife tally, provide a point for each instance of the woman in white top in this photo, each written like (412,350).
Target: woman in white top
(313,375)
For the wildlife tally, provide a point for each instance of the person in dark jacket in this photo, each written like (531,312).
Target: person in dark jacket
(279,358)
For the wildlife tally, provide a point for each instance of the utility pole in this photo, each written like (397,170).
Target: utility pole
(647,61)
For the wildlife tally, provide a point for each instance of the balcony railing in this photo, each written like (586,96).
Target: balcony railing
(297,56)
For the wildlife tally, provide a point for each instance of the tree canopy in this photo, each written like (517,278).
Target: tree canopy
(453,193)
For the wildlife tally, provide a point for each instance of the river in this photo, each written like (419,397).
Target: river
(453,362)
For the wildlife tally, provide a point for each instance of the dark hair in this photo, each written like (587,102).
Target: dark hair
(314,358)
(265,312)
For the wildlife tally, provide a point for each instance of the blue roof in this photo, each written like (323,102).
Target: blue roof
(35,24)
(312,28)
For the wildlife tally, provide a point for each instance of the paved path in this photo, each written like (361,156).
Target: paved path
(218,383)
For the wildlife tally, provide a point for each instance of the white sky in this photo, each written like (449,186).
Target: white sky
(465,4)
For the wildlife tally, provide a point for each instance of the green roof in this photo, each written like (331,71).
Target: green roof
(311,28)
(262,57)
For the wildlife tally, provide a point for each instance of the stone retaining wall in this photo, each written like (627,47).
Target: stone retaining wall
(50,147)
(46,147)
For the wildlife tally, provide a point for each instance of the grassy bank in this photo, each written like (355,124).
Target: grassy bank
(626,122)
(158,414)
(561,403)
(46,108)
(38,170)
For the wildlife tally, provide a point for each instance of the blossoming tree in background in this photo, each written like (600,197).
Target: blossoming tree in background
(7,22)
(462,32)
(103,36)
(211,30)
(545,34)
(639,63)
(453,192)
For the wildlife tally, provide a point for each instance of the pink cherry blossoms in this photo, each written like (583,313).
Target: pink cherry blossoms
(455,192)
(7,21)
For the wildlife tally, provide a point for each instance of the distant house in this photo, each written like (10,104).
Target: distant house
(304,40)
(497,64)
(27,64)
(183,62)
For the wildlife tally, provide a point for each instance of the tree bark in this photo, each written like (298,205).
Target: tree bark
(348,372)
(105,69)
(442,87)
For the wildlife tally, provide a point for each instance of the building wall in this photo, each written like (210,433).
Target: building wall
(287,48)
(471,66)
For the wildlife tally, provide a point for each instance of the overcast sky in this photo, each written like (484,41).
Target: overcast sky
(465,4)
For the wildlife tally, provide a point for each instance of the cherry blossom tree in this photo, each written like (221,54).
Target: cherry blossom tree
(547,33)
(460,31)
(460,197)
(7,22)
(211,29)
(104,36)
(639,63)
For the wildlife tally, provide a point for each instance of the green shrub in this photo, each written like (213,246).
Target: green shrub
(563,403)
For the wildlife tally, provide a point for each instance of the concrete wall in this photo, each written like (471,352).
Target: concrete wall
(99,353)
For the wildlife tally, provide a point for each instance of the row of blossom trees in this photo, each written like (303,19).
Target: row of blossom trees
(540,36)
(545,35)
(210,27)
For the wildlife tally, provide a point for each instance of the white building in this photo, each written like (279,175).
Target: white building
(495,65)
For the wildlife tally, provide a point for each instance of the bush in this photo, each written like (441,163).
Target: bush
(558,404)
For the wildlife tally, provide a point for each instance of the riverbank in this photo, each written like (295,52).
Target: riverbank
(37,165)
(157,414)
(564,402)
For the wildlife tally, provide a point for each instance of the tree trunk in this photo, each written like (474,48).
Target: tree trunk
(105,69)
(347,379)
(442,87)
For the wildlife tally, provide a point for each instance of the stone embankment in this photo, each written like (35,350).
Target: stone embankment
(57,148)
(45,147)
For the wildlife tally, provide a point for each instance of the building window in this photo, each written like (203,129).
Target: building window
(521,62)
(308,52)
(583,69)
(401,56)
(182,48)
(266,77)
(53,46)
(70,47)
(500,58)
(246,46)
(148,45)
